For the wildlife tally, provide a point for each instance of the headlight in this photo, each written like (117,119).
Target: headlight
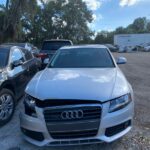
(119,103)
(30,102)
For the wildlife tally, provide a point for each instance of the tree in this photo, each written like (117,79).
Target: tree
(66,19)
(148,26)
(11,14)
(24,20)
(120,30)
(76,16)
(139,25)
(104,37)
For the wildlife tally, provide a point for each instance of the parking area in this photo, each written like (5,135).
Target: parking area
(137,71)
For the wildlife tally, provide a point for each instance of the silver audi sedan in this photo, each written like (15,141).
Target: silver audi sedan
(81,97)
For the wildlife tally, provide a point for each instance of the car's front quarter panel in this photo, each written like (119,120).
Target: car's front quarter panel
(121,86)
(32,85)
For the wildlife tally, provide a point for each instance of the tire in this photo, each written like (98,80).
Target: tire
(7,106)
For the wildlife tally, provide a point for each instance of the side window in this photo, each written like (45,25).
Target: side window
(27,54)
(16,55)
(28,46)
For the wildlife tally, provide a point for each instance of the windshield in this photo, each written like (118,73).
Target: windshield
(3,59)
(82,58)
(55,45)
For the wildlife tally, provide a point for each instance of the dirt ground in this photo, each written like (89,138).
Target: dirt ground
(137,71)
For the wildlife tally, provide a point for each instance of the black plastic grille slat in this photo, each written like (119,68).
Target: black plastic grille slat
(58,118)
(63,143)
(62,102)
(70,135)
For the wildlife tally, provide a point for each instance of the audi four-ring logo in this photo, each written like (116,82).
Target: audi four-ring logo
(72,114)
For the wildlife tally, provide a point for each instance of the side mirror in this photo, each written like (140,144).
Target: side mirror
(17,63)
(121,60)
(46,61)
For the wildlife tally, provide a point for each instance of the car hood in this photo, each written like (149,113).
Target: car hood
(85,84)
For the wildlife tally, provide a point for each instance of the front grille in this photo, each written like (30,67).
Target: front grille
(64,128)
(89,112)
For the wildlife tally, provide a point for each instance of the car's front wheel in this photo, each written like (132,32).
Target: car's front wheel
(7,106)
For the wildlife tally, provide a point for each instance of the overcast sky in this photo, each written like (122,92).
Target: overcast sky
(110,14)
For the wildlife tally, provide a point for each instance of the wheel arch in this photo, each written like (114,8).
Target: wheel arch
(8,85)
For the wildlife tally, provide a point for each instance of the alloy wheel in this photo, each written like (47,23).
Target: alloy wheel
(6,106)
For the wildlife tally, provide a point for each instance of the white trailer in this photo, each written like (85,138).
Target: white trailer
(129,41)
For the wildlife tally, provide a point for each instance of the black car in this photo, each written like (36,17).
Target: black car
(49,48)
(17,67)
(34,50)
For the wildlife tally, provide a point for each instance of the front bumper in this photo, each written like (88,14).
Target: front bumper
(108,120)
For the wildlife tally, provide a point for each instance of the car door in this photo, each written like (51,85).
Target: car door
(31,63)
(19,74)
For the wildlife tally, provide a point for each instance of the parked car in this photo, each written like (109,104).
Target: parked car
(147,48)
(49,48)
(111,47)
(81,97)
(34,50)
(17,67)
(127,49)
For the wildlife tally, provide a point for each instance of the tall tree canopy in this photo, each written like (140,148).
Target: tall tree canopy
(10,15)
(23,20)
(66,19)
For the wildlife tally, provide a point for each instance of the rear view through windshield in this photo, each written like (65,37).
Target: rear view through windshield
(55,45)
(82,58)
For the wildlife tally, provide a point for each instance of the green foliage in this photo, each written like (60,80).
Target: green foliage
(61,19)
(104,37)
(25,20)
(11,14)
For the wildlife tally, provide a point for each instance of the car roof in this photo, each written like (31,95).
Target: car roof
(84,46)
(16,44)
(63,40)
(5,48)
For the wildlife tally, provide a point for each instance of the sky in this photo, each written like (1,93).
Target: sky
(110,14)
